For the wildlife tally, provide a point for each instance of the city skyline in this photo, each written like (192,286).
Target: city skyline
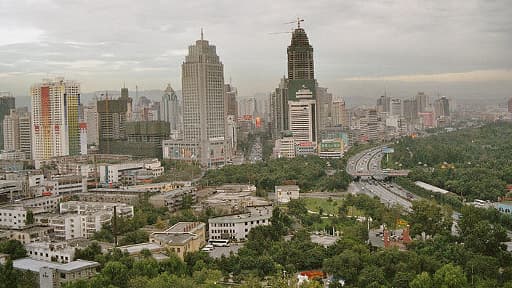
(361,49)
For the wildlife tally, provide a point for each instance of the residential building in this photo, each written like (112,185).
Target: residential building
(55,122)
(13,217)
(174,199)
(395,108)
(54,275)
(181,238)
(285,193)
(237,227)
(7,102)
(204,105)
(31,234)
(17,131)
(60,252)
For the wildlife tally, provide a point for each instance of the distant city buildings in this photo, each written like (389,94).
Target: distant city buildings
(55,121)
(7,102)
(17,132)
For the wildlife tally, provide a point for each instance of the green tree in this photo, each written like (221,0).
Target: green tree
(14,248)
(430,218)
(422,280)
(29,218)
(115,273)
(450,276)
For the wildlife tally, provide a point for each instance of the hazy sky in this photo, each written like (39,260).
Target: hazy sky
(457,48)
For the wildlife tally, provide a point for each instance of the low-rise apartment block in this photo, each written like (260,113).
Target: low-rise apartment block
(181,238)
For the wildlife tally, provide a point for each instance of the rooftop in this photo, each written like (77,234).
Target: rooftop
(137,248)
(35,265)
(182,227)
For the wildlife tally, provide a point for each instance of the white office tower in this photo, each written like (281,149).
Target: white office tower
(55,124)
(302,116)
(204,113)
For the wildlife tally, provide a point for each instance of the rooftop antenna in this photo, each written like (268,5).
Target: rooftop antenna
(202,34)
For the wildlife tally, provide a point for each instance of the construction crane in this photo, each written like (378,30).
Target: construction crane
(296,21)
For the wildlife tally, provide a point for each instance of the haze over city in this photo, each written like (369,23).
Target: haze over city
(456,48)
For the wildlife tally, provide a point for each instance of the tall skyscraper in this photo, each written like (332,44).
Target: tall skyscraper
(410,108)
(169,108)
(421,102)
(55,123)
(7,102)
(231,100)
(302,86)
(17,131)
(384,104)
(204,113)
(300,56)
(279,108)
(112,118)
(442,107)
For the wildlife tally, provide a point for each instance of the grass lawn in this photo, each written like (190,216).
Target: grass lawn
(327,207)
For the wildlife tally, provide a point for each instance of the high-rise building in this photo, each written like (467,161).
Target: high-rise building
(302,116)
(279,108)
(112,118)
(421,102)
(204,113)
(395,107)
(442,107)
(302,86)
(339,113)
(91,118)
(17,131)
(55,123)
(324,108)
(410,108)
(300,56)
(169,108)
(510,105)
(231,100)
(7,102)
(384,104)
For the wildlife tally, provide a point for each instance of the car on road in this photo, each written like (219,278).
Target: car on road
(207,248)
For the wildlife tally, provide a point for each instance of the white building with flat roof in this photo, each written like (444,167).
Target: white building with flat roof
(237,227)
(53,275)
(286,193)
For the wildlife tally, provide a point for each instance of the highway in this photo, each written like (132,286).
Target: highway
(367,166)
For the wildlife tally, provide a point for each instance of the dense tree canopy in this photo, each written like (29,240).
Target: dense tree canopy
(475,163)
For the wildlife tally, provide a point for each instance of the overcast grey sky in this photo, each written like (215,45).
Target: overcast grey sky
(458,48)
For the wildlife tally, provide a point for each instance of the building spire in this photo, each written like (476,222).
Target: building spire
(201,33)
